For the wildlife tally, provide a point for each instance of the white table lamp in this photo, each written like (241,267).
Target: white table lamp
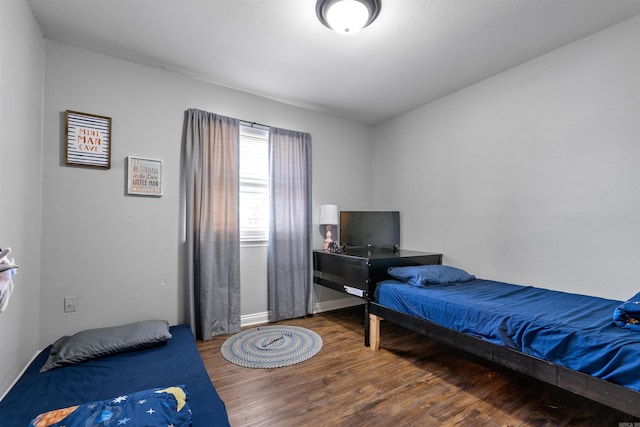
(328,218)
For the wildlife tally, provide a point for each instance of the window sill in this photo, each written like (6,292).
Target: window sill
(254,243)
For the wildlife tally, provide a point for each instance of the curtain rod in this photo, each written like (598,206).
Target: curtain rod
(253,124)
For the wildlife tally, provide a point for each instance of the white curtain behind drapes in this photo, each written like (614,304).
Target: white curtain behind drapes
(289,255)
(212,223)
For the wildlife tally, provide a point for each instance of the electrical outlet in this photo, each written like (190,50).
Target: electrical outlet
(70,304)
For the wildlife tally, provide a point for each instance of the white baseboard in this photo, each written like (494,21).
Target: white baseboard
(19,375)
(262,318)
(254,319)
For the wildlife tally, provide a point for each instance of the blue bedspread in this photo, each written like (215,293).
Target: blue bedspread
(571,330)
(176,363)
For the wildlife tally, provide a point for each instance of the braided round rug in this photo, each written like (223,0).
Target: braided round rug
(271,346)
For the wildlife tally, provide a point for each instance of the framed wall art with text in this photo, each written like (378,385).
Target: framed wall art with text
(144,176)
(88,140)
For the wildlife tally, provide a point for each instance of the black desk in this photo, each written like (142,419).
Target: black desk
(357,270)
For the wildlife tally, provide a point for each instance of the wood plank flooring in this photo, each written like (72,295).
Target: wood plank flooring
(411,381)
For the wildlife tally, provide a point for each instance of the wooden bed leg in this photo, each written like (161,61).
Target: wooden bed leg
(374,331)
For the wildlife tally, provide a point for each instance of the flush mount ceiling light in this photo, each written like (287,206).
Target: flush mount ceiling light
(347,16)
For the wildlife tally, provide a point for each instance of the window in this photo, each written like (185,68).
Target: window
(254,184)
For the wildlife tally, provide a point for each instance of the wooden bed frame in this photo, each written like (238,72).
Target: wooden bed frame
(615,396)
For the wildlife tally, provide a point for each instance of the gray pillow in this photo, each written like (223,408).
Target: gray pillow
(94,343)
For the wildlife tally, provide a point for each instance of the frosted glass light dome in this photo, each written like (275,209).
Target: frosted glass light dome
(347,16)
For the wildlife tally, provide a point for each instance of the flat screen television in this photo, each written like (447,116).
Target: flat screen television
(370,228)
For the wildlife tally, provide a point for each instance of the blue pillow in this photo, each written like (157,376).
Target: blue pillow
(627,314)
(424,275)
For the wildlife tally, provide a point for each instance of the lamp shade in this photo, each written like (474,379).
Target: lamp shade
(329,214)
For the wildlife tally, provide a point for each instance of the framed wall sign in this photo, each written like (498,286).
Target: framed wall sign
(88,140)
(144,176)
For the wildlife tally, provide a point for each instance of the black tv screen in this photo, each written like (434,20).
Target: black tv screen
(370,228)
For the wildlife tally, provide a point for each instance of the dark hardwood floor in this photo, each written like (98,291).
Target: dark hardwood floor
(411,381)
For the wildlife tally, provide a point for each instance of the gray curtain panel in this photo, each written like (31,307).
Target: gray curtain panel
(289,254)
(212,222)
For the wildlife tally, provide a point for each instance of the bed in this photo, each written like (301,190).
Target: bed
(169,370)
(568,340)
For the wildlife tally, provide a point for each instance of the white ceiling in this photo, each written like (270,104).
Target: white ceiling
(415,52)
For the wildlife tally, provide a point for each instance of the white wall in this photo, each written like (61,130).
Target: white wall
(530,176)
(120,255)
(526,177)
(21,73)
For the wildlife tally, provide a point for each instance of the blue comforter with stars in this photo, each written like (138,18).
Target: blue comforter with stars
(174,363)
(161,407)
